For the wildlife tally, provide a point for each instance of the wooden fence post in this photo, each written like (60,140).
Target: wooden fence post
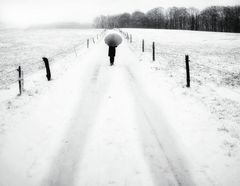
(153,51)
(143,45)
(22,75)
(87,43)
(46,62)
(75,51)
(130,38)
(187,70)
(20,80)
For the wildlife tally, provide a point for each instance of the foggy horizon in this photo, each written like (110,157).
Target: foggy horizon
(28,13)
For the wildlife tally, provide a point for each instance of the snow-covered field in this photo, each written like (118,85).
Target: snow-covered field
(215,75)
(134,123)
(27,47)
(214,66)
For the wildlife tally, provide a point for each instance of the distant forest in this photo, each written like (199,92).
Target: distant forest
(214,18)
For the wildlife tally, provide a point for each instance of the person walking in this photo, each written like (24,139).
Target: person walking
(112,40)
(111,54)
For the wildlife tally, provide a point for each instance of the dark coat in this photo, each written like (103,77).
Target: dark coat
(112,51)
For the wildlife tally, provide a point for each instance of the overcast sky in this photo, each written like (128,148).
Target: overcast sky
(25,12)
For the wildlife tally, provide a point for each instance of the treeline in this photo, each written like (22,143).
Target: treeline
(214,18)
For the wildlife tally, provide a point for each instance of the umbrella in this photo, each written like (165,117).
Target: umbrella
(113,39)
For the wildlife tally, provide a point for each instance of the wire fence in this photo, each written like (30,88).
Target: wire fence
(172,59)
(11,76)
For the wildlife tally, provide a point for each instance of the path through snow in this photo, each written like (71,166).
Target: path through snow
(112,152)
(95,126)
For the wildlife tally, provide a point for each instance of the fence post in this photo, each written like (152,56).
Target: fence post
(22,75)
(187,70)
(19,80)
(87,43)
(75,51)
(130,38)
(143,45)
(47,68)
(153,51)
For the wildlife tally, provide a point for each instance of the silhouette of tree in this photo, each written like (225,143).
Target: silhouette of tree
(213,18)
(139,20)
(156,18)
(124,20)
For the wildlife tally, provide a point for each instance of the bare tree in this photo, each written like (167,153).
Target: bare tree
(156,18)
(214,18)
(139,20)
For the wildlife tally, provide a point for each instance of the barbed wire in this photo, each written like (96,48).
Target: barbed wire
(174,58)
(8,79)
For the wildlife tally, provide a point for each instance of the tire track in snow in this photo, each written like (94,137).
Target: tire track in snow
(66,162)
(113,154)
(149,114)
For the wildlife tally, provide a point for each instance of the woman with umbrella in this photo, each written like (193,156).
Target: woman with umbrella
(111,54)
(112,40)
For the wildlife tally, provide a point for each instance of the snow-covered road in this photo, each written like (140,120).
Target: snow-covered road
(108,137)
(92,131)
(104,125)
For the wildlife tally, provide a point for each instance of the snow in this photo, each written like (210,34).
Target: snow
(27,47)
(214,66)
(133,123)
(113,148)
(211,104)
